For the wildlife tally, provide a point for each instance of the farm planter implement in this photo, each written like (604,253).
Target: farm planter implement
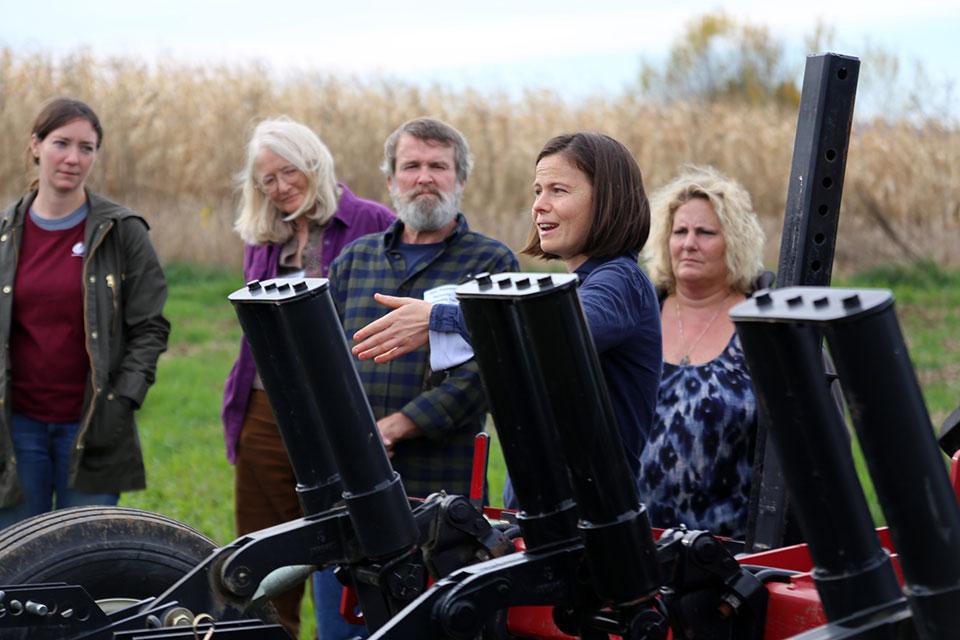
(591,571)
(579,558)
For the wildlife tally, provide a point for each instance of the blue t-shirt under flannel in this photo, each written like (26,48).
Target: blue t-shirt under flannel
(415,255)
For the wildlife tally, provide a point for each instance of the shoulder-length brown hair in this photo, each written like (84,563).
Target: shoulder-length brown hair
(621,213)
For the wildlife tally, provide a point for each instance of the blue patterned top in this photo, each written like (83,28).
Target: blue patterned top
(698,462)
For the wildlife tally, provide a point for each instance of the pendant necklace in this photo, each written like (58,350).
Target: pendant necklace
(685,359)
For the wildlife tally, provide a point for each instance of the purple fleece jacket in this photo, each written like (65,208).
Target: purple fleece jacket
(355,217)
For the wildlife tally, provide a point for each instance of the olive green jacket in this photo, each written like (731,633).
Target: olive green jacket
(123,295)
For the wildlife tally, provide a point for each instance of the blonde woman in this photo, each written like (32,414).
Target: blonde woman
(704,256)
(294,218)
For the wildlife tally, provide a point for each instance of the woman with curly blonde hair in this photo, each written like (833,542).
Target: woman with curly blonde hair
(704,256)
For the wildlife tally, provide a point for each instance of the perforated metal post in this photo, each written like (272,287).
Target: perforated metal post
(807,242)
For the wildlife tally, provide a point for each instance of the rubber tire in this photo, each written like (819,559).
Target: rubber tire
(113,552)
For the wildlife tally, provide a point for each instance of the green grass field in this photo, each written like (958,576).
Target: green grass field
(188,476)
(190,480)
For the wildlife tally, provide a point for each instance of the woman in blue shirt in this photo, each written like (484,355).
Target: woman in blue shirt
(590,211)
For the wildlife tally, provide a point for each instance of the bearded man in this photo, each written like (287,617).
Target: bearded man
(427,418)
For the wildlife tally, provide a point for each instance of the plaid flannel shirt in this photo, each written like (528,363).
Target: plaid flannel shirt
(448,406)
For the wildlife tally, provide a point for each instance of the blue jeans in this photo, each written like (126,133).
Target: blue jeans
(43,468)
(327,591)
(509,496)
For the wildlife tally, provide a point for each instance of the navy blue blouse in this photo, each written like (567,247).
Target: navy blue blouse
(623,313)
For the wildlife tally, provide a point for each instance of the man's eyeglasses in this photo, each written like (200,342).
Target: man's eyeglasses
(271,181)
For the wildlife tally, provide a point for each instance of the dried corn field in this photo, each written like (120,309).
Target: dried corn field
(174,138)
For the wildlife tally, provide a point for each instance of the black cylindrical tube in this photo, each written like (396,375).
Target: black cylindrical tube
(852,571)
(906,466)
(372,490)
(528,439)
(618,541)
(298,420)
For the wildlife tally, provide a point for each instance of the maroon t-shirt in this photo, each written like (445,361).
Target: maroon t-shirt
(48,357)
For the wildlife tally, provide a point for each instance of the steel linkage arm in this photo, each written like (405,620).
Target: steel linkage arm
(237,579)
(49,610)
(320,540)
(706,593)
(461,604)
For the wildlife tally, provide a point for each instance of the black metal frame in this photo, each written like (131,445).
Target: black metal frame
(780,333)
(807,245)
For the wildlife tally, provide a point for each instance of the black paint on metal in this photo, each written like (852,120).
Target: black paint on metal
(892,425)
(293,402)
(618,542)
(807,247)
(523,418)
(853,572)
(295,334)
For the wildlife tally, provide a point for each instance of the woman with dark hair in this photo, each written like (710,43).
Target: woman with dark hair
(591,212)
(81,317)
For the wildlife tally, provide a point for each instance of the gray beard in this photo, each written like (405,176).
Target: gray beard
(427,214)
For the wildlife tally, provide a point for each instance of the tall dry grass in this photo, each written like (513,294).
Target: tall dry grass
(175,135)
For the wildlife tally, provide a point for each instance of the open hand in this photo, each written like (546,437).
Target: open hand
(401,331)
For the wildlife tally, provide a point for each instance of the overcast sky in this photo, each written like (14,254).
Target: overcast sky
(573,47)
